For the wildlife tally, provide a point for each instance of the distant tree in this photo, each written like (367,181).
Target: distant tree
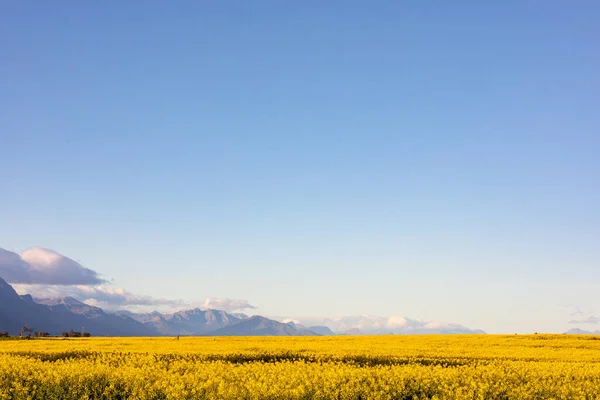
(26,331)
(73,333)
(86,334)
(4,334)
(42,334)
(65,334)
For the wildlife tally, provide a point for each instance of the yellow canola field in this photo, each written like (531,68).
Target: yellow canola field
(344,367)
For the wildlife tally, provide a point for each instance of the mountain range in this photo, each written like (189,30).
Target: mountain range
(61,315)
(65,313)
(189,322)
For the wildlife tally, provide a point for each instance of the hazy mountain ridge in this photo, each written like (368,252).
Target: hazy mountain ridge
(186,322)
(261,326)
(197,322)
(321,330)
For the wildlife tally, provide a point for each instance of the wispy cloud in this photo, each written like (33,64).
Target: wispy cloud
(574,310)
(589,320)
(45,267)
(575,313)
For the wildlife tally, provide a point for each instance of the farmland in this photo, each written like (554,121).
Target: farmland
(344,367)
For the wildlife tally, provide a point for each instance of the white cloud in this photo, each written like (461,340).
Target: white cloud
(396,322)
(217,303)
(101,304)
(46,267)
(288,320)
(433,325)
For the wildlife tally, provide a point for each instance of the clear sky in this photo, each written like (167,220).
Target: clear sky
(432,159)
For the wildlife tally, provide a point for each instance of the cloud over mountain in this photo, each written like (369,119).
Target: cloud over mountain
(102,296)
(45,267)
(226,304)
(111,299)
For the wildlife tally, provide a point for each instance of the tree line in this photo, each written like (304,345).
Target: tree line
(28,333)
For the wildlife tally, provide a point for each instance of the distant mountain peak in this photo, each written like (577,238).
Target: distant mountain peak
(577,331)
(321,330)
(7,291)
(66,300)
(28,298)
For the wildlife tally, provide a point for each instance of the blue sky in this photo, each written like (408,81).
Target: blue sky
(429,159)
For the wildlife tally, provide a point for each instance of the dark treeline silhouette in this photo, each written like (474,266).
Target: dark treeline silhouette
(75,334)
